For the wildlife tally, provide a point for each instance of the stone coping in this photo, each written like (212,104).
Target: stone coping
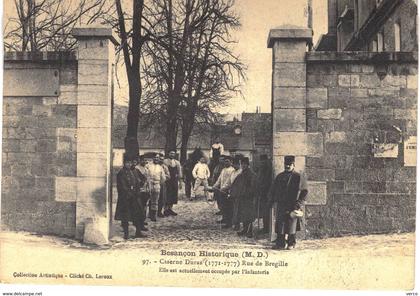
(94,31)
(289,32)
(361,56)
(42,56)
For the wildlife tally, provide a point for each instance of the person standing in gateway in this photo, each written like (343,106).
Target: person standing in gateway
(173,183)
(289,190)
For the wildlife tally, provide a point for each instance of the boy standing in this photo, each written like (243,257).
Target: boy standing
(201,174)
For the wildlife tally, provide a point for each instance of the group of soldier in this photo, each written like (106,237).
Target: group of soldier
(142,185)
(241,194)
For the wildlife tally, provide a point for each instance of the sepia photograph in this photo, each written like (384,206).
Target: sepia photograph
(209,144)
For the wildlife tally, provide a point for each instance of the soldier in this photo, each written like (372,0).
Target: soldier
(173,183)
(129,182)
(265,177)
(243,193)
(289,190)
(214,176)
(145,189)
(164,186)
(157,180)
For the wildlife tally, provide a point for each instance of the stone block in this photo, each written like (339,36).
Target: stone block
(335,137)
(93,116)
(46,145)
(29,145)
(370,81)
(68,74)
(344,80)
(66,189)
(407,114)
(412,81)
(93,140)
(339,97)
(11,107)
(317,193)
(368,68)
(286,120)
(316,80)
(96,231)
(329,113)
(289,74)
(335,187)
(42,110)
(298,143)
(66,139)
(20,121)
(320,174)
(278,164)
(92,164)
(289,97)
(317,98)
(394,81)
(94,95)
(93,190)
(95,49)
(50,101)
(354,80)
(289,51)
(383,92)
(68,94)
(93,72)
(359,92)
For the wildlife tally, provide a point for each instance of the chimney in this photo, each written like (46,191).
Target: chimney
(310,20)
(332,17)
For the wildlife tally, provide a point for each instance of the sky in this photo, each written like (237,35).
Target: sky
(257,18)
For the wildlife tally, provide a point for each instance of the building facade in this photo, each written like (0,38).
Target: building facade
(370,25)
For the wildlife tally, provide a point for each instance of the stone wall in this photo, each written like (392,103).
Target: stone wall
(57,146)
(405,15)
(355,101)
(346,116)
(39,144)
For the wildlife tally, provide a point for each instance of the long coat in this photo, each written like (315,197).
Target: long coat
(129,183)
(289,191)
(265,173)
(244,196)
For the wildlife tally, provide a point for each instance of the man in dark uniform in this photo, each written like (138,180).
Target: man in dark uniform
(129,182)
(265,176)
(243,192)
(289,190)
(173,183)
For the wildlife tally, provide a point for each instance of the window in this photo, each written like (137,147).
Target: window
(380,42)
(356,15)
(397,34)
(374,45)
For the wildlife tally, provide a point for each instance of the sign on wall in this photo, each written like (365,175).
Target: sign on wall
(410,148)
(35,82)
(385,150)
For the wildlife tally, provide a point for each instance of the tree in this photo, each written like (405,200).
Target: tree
(46,24)
(131,45)
(190,67)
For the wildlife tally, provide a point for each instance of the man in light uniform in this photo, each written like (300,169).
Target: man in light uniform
(156,181)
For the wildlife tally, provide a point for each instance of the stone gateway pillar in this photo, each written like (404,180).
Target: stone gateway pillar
(94,148)
(290,136)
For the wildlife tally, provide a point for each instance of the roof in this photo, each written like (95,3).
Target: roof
(255,130)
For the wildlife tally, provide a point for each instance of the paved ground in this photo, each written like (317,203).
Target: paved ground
(352,262)
(195,223)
